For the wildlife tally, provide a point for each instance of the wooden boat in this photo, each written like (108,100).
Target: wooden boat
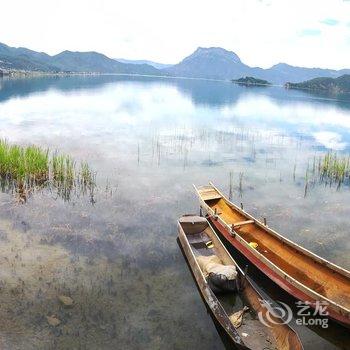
(194,235)
(298,271)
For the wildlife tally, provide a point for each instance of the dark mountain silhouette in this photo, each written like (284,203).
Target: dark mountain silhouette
(340,85)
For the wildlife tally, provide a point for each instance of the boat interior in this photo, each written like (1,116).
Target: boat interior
(308,271)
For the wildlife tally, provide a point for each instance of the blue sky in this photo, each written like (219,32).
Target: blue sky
(312,33)
(330,21)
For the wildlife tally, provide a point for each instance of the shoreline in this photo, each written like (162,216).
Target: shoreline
(36,74)
(16,74)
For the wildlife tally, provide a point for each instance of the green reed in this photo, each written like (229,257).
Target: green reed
(24,168)
(330,169)
(334,168)
(87,177)
(21,163)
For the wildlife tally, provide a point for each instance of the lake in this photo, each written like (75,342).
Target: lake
(114,251)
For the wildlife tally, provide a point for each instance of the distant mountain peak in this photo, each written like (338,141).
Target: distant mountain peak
(68,52)
(211,63)
(281,65)
(216,52)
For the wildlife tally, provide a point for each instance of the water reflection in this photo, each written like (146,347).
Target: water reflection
(149,140)
(323,120)
(201,92)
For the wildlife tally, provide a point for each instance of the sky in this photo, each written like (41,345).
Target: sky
(310,33)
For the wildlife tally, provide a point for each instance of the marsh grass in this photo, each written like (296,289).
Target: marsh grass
(330,169)
(23,163)
(24,169)
(334,168)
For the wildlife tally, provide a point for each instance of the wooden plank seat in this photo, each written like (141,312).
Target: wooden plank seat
(242,223)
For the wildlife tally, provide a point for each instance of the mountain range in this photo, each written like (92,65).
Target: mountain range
(207,63)
(218,63)
(151,63)
(67,61)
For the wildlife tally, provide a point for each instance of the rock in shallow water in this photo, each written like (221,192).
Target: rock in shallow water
(66,301)
(53,320)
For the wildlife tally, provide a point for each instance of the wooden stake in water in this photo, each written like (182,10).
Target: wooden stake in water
(138,153)
(241,184)
(230,195)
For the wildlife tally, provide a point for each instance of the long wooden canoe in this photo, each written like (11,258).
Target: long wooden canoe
(298,271)
(194,234)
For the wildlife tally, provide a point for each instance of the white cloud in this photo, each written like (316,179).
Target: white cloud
(330,140)
(260,32)
(303,115)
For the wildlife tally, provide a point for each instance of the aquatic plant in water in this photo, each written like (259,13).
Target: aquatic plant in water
(26,168)
(329,169)
(23,163)
(334,168)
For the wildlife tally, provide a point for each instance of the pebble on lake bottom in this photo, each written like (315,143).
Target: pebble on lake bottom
(53,321)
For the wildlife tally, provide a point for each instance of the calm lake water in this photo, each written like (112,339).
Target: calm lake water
(149,140)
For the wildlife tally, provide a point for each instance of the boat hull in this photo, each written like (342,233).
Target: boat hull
(209,297)
(194,233)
